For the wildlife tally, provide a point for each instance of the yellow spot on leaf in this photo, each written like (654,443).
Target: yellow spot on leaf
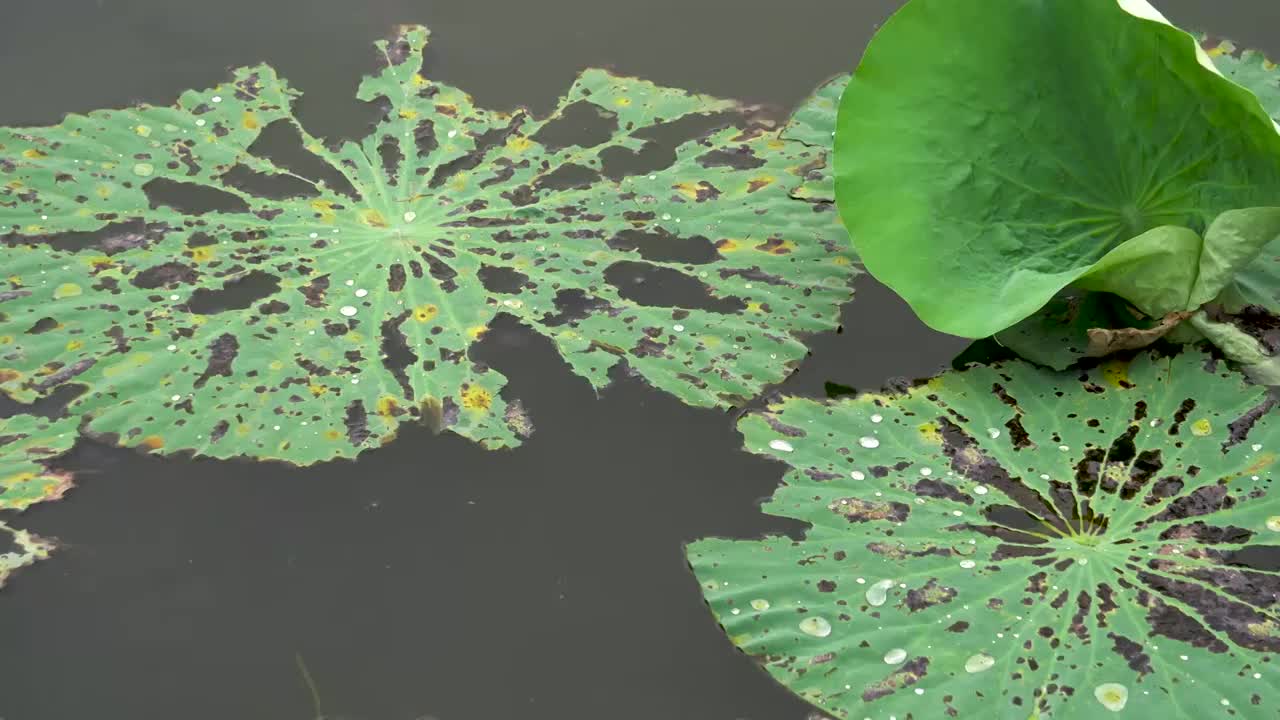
(929,433)
(408,114)
(755,307)
(476,332)
(32,154)
(476,398)
(317,390)
(519,144)
(9,375)
(1201,427)
(757,183)
(1116,373)
(153,442)
(103,190)
(325,210)
(203,254)
(276,365)
(6,339)
(727,246)
(419,81)
(388,407)
(143,131)
(249,120)
(373,218)
(688,189)
(67,290)
(74,345)
(841,260)
(333,434)
(622,102)
(425,313)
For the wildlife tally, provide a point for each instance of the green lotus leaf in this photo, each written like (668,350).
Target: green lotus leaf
(990,154)
(27,444)
(155,257)
(1008,542)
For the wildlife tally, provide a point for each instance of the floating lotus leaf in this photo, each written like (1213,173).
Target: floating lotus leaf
(154,258)
(1010,542)
(27,444)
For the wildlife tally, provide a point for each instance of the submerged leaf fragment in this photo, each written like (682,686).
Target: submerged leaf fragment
(25,549)
(28,444)
(1059,541)
(200,313)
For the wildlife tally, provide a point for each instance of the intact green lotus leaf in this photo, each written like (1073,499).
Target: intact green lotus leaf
(1008,542)
(306,323)
(1058,133)
(27,444)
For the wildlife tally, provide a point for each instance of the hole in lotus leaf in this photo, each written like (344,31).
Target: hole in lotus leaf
(665,287)
(501,280)
(581,124)
(568,176)
(192,199)
(659,152)
(573,305)
(661,246)
(1068,603)
(390,154)
(281,144)
(239,293)
(270,187)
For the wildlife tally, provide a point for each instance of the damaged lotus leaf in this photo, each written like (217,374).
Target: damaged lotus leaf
(1010,542)
(1085,143)
(27,444)
(214,300)
(814,124)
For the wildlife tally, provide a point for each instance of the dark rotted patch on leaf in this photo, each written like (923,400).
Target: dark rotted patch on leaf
(927,596)
(357,422)
(937,489)
(910,673)
(222,354)
(1210,534)
(858,510)
(1132,653)
(166,275)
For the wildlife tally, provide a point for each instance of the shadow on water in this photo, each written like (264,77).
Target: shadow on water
(431,579)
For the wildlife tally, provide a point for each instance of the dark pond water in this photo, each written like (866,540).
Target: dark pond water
(433,579)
